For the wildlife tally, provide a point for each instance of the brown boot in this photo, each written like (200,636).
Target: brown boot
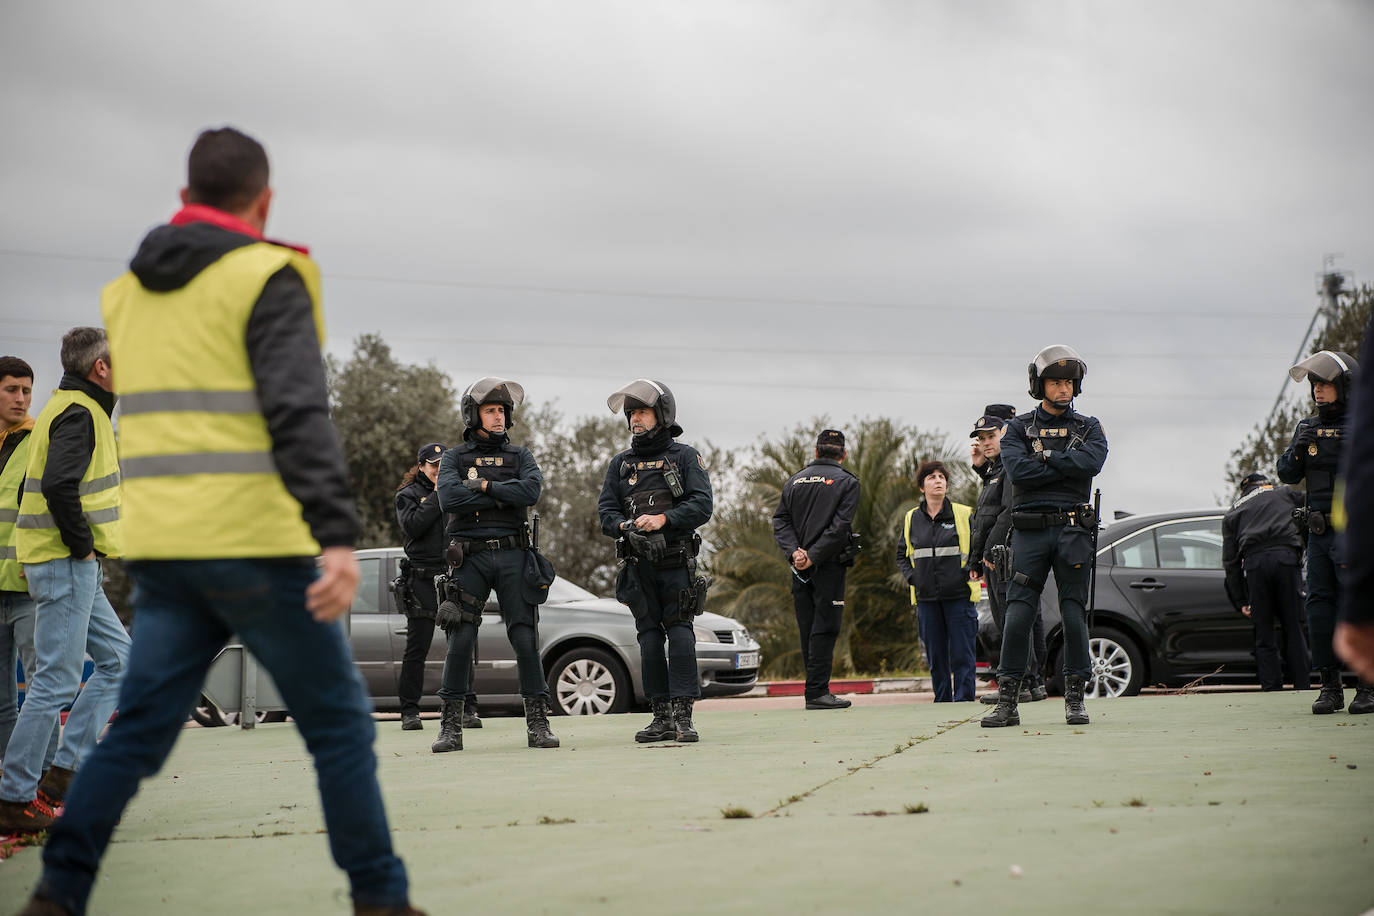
(42,906)
(53,789)
(25,817)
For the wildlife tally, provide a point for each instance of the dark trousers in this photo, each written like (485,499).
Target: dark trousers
(185,612)
(667,644)
(410,685)
(1271,577)
(1325,569)
(949,629)
(1039,650)
(1068,551)
(502,570)
(818,598)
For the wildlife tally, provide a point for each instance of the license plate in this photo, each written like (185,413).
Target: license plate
(747,660)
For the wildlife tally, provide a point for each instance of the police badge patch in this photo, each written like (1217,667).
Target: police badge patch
(472,473)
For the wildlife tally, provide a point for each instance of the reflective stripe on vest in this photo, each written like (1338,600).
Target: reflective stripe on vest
(964,531)
(11,573)
(37,538)
(199,480)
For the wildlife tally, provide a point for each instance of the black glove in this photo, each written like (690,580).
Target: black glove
(650,548)
(1306,436)
(477,485)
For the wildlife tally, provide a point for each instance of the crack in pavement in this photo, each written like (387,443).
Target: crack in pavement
(868,764)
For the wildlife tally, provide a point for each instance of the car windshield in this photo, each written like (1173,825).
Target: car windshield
(562,592)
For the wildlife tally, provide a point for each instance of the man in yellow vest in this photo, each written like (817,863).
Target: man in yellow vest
(68,520)
(234,481)
(16,607)
(933,558)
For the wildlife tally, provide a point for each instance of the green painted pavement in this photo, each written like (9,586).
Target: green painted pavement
(1166,804)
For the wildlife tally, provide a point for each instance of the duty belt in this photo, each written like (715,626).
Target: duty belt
(509,542)
(1036,521)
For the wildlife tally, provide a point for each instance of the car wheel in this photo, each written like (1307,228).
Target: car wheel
(1117,667)
(587,681)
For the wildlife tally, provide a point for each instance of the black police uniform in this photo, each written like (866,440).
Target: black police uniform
(1050,461)
(489,527)
(816,513)
(1314,455)
(638,482)
(1261,550)
(991,525)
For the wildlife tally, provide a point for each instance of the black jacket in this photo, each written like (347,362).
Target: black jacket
(1260,520)
(688,513)
(992,515)
(288,371)
(1060,476)
(71,443)
(816,511)
(1357,597)
(521,490)
(422,522)
(1297,463)
(941,578)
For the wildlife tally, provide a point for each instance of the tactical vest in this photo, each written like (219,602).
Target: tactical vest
(498,466)
(648,483)
(11,476)
(37,538)
(962,529)
(1320,461)
(990,497)
(1070,491)
(199,478)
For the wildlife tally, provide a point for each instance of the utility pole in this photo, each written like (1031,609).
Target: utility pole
(1330,285)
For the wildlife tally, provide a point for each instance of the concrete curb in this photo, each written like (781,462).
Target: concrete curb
(838,687)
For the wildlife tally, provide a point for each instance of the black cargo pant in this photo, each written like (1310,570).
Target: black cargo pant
(654,598)
(1271,578)
(410,685)
(818,599)
(1068,550)
(1325,570)
(504,571)
(1039,650)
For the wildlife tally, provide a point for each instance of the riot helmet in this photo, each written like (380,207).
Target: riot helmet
(1332,366)
(1056,361)
(490,390)
(645,392)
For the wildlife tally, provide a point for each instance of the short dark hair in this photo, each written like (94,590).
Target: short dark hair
(81,347)
(16,367)
(832,452)
(227,170)
(929,467)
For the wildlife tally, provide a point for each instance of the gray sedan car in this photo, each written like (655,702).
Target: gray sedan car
(587,645)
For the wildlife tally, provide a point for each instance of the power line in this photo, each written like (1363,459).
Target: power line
(774,302)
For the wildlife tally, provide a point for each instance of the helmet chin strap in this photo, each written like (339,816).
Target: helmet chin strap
(1062,405)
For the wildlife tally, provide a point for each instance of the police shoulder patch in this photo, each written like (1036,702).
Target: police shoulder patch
(701,461)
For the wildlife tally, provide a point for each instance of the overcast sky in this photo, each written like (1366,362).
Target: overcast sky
(781,209)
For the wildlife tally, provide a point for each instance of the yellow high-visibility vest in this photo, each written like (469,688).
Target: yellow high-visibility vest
(11,572)
(37,538)
(194,448)
(963,529)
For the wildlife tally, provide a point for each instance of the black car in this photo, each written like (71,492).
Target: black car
(1161,614)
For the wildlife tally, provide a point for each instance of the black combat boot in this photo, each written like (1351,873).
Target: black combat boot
(661,728)
(537,722)
(450,728)
(1364,700)
(1332,697)
(1075,712)
(682,719)
(1038,691)
(1004,713)
(471,719)
(410,722)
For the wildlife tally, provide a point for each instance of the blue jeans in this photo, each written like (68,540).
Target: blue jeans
(16,644)
(184,612)
(949,629)
(73,619)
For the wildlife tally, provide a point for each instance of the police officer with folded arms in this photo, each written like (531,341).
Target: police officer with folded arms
(991,528)
(487,486)
(1261,551)
(1051,455)
(1314,456)
(813,527)
(655,496)
(422,528)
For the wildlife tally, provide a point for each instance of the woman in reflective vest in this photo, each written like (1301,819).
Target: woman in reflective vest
(932,556)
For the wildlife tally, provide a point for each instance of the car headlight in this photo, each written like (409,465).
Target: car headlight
(703,634)
(741,636)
